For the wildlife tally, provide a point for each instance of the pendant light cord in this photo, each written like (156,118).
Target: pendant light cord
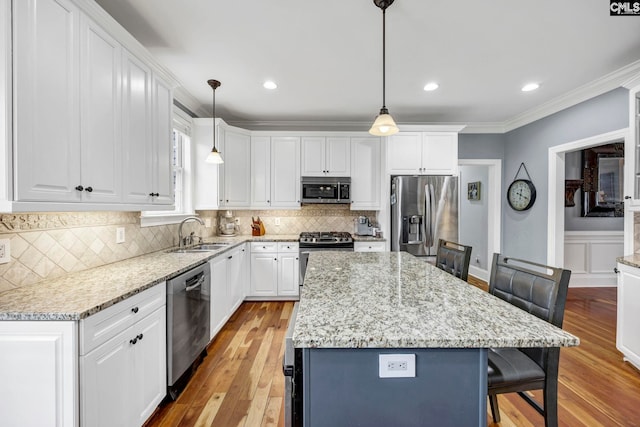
(214,118)
(384,59)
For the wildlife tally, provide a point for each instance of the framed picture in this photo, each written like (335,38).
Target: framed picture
(473,190)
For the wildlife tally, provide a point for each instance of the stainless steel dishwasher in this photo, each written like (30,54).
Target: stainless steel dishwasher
(188,308)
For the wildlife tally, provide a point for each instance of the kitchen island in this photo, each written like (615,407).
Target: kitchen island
(355,307)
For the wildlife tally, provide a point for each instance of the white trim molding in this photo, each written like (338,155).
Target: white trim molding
(555,225)
(591,257)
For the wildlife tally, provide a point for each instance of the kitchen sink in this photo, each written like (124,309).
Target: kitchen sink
(204,247)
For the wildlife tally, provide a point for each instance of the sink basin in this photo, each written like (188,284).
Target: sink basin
(205,247)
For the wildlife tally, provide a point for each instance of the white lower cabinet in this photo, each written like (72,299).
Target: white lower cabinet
(39,371)
(228,286)
(274,270)
(123,375)
(627,337)
(369,246)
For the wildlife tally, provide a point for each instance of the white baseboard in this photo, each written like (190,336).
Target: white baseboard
(479,273)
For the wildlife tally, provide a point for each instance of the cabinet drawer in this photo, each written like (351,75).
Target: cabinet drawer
(264,247)
(104,325)
(287,247)
(369,246)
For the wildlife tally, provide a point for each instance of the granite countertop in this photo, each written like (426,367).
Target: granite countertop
(630,260)
(78,295)
(394,300)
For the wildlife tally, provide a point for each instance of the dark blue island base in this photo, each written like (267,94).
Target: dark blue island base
(342,388)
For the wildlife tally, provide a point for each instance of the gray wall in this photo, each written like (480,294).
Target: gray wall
(573,221)
(525,233)
(481,146)
(474,215)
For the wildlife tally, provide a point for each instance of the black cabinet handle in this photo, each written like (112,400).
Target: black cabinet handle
(133,341)
(88,189)
(134,309)
(79,188)
(627,197)
(268,201)
(615,270)
(230,256)
(140,337)
(154,194)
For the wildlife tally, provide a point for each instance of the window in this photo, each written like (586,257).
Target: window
(182,176)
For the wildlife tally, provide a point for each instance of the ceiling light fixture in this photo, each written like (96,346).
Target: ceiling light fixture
(530,86)
(431,86)
(384,124)
(214,156)
(270,85)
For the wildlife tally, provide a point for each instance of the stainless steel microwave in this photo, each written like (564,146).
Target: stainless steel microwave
(319,189)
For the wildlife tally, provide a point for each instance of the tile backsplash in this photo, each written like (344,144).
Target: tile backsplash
(47,245)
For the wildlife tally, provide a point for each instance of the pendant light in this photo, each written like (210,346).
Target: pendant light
(384,124)
(214,156)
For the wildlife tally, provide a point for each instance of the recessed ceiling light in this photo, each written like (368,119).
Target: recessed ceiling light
(431,86)
(270,85)
(530,86)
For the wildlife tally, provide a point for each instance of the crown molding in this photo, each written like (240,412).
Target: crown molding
(597,87)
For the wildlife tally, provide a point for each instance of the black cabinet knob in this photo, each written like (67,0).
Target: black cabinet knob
(615,270)
(133,341)
(230,256)
(134,309)
(88,189)
(79,188)
(140,336)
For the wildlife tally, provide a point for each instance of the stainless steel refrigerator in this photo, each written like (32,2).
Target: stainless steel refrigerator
(423,210)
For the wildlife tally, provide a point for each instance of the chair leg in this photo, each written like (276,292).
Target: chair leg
(550,398)
(495,410)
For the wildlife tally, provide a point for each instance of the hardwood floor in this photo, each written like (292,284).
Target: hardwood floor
(240,383)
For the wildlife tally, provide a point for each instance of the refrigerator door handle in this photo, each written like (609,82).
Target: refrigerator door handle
(428,212)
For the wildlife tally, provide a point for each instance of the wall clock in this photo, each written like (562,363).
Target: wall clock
(521,194)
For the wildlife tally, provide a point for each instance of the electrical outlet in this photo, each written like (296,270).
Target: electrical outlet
(120,235)
(277,221)
(5,251)
(396,365)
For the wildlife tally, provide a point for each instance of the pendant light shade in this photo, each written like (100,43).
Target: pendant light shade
(384,125)
(214,156)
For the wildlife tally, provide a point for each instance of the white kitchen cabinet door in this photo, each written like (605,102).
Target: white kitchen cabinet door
(260,171)
(313,156)
(106,379)
(235,279)
(101,151)
(236,152)
(439,153)
(46,100)
(136,130)
(162,143)
(338,155)
(206,175)
(627,337)
(365,173)
(264,274)
(288,274)
(219,298)
(404,153)
(150,365)
(285,172)
(369,246)
(39,371)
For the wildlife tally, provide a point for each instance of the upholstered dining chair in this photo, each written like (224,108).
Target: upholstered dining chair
(541,291)
(453,258)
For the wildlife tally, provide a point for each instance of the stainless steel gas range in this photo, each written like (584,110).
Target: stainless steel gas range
(322,241)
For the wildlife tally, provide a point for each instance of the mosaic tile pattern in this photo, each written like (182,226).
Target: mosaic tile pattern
(50,245)
(395,300)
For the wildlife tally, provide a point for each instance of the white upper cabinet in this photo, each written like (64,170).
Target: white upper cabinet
(46,100)
(92,121)
(632,151)
(365,173)
(260,171)
(325,156)
(275,172)
(285,172)
(206,179)
(100,103)
(423,153)
(235,172)
(136,130)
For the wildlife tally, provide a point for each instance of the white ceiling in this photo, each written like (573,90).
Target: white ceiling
(326,57)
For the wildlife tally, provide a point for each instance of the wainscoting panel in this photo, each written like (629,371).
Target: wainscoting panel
(591,256)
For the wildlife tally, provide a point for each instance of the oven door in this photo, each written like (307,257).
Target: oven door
(304,256)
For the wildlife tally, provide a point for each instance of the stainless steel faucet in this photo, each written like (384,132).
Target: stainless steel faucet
(189,218)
